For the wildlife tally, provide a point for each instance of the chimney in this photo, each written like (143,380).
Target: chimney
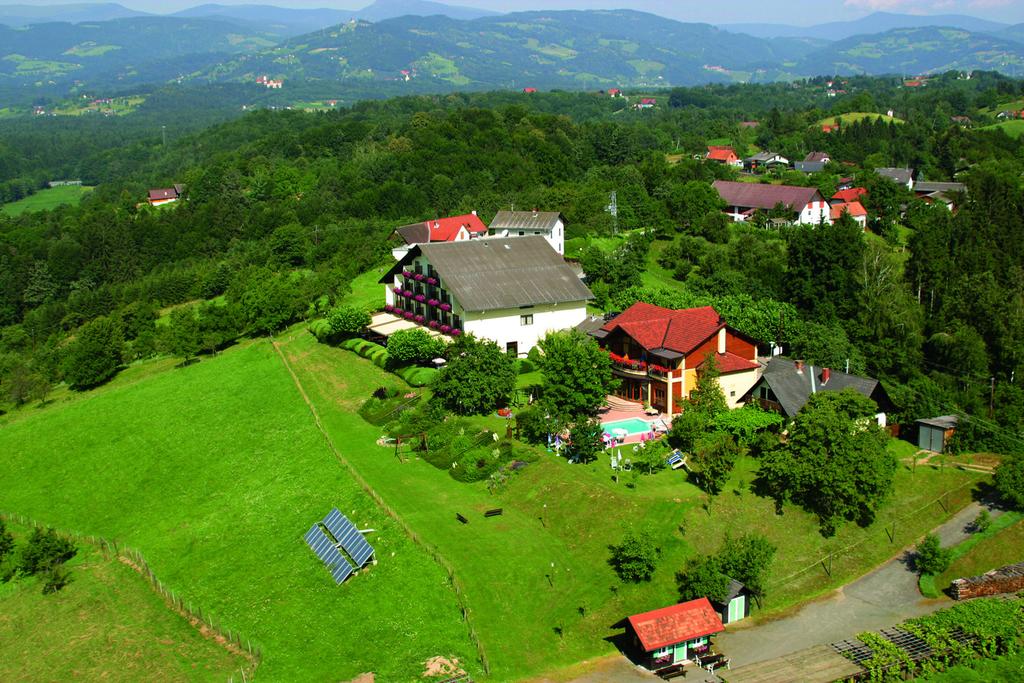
(721,341)
(825,374)
(473,212)
(535,212)
(799,366)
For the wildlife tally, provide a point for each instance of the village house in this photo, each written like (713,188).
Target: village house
(723,155)
(646,103)
(529,91)
(764,160)
(849,194)
(657,352)
(614,92)
(812,163)
(786,385)
(939,192)
(676,634)
(854,210)
(512,291)
(900,176)
(451,229)
(167,195)
(548,224)
(744,199)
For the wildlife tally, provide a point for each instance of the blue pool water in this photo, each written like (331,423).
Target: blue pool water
(633,425)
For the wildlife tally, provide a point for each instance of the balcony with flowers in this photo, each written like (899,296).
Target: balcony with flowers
(426,311)
(640,368)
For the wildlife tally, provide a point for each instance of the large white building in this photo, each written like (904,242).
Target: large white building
(548,224)
(512,290)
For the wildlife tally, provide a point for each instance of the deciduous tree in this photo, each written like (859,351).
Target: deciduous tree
(95,355)
(478,378)
(577,375)
(636,557)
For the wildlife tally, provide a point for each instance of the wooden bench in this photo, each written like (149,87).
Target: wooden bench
(461,518)
(670,672)
(493,513)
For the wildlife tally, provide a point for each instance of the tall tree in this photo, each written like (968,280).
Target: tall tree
(95,355)
(834,463)
(577,375)
(478,378)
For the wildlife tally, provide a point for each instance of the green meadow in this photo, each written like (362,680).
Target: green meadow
(107,624)
(214,472)
(50,198)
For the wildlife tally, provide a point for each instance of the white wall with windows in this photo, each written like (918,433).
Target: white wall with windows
(519,329)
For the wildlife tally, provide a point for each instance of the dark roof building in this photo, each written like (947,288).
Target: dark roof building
(786,385)
(809,166)
(742,199)
(818,156)
(443,229)
(900,176)
(548,224)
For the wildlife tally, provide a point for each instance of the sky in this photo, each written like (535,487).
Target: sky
(798,12)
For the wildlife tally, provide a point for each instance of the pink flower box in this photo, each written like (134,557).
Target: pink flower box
(456,332)
(389,308)
(407,273)
(445,307)
(431,280)
(420,298)
(434,324)
(419,318)
(446,328)
(418,277)
(433,302)
(408,315)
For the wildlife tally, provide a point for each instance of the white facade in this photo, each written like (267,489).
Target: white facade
(555,236)
(524,327)
(814,213)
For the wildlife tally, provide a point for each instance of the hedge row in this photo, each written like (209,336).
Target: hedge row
(378,355)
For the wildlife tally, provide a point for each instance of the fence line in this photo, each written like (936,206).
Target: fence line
(836,553)
(456,584)
(134,560)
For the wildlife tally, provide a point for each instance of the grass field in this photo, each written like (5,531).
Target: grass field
(550,547)
(855,116)
(367,293)
(1003,548)
(107,624)
(214,472)
(1006,669)
(1012,128)
(50,198)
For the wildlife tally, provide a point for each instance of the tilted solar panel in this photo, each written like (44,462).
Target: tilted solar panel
(342,571)
(349,537)
(324,548)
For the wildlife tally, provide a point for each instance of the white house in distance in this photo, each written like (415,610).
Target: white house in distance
(451,229)
(744,199)
(548,224)
(511,290)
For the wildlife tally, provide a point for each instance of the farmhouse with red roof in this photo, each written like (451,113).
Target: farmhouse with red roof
(851,194)
(675,634)
(451,229)
(854,209)
(166,195)
(723,155)
(657,353)
(744,199)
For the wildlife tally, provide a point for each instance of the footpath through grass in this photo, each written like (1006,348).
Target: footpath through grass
(107,624)
(214,472)
(50,198)
(541,593)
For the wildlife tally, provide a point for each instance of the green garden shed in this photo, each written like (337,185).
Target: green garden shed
(736,605)
(934,433)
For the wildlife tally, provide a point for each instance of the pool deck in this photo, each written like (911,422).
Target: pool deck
(622,410)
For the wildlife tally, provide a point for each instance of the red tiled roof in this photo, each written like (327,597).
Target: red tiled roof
(716,153)
(528,90)
(851,195)
(648,100)
(855,209)
(675,624)
(766,196)
(730,362)
(654,327)
(442,229)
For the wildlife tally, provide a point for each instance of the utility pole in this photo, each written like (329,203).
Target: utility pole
(163,131)
(991,396)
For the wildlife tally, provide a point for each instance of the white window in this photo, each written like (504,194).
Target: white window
(662,651)
(526,319)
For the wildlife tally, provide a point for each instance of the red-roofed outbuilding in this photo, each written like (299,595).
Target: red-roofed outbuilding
(852,194)
(854,209)
(675,634)
(657,352)
(723,155)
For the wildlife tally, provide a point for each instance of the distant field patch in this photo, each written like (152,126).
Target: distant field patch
(42,67)
(1012,128)
(107,624)
(90,49)
(645,67)
(47,199)
(559,51)
(855,116)
(626,46)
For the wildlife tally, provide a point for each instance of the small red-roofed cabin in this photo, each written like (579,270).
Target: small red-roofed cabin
(451,229)
(529,91)
(854,210)
(614,92)
(723,155)
(165,195)
(852,194)
(673,635)
(657,352)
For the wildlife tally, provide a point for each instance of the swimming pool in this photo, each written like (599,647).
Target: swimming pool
(633,425)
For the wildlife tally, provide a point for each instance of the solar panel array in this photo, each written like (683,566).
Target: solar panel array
(325,549)
(349,537)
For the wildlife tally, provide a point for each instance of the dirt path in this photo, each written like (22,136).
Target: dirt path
(882,598)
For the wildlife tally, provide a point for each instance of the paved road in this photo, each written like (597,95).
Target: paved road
(882,598)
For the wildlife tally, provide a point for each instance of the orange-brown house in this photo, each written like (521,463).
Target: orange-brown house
(656,353)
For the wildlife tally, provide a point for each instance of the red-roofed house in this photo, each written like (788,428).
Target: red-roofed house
(855,210)
(723,155)
(852,194)
(742,200)
(674,634)
(646,103)
(165,195)
(451,229)
(614,92)
(529,91)
(656,353)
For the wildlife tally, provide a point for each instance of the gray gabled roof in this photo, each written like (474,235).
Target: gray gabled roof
(809,166)
(897,175)
(942,421)
(497,273)
(931,187)
(793,389)
(525,220)
(764,156)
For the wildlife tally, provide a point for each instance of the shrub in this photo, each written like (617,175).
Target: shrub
(414,347)
(635,558)
(95,355)
(526,366)
(56,578)
(6,541)
(1009,480)
(44,550)
(930,557)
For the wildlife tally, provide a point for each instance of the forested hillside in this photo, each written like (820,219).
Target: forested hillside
(284,209)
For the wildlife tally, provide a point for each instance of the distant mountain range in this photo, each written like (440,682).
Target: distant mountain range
(877,22)
(558,49)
